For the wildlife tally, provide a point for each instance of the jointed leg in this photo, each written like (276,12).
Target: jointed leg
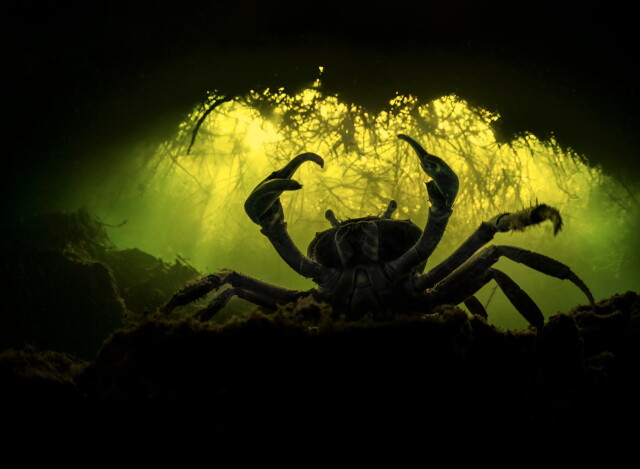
(221,300)
(237,280)
(517,221)
(475,307)
(192,292)
(518,297)
(461,283)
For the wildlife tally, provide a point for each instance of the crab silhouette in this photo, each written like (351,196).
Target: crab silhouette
(373,266)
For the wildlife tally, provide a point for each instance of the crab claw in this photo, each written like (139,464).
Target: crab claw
(263,204)
(444,186)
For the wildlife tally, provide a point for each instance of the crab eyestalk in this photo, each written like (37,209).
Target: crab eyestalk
(331,217)
(263,205)
(392,207)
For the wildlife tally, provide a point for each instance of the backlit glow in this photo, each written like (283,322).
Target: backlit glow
(192,204)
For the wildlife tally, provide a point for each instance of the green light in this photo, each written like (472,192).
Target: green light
(193,204)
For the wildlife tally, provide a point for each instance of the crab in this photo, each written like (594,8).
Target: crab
(374,266)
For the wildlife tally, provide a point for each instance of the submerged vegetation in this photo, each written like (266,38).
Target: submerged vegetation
(186,196)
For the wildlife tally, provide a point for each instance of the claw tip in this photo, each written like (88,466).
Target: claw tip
(317,159)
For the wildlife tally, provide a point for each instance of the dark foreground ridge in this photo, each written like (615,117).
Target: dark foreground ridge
(444,377)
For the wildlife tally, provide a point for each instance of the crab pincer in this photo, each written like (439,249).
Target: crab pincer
(372,267)
(263,204)
(443,187)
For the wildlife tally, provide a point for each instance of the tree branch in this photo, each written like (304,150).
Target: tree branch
(215,104)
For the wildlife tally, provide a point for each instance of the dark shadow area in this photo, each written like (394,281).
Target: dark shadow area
(445,379)
(71,288)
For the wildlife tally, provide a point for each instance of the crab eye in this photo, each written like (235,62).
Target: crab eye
(392,207)
(329,215)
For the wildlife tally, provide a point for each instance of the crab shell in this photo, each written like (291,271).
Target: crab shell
(364,240)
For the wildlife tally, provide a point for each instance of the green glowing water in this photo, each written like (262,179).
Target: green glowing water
(192,204)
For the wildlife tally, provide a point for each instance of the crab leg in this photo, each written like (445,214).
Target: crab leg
(264,208)
(504,222)
(192,292)
(258,298)
(209,283)
(475,307)
(477,266)
(516,295)
(442,190)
